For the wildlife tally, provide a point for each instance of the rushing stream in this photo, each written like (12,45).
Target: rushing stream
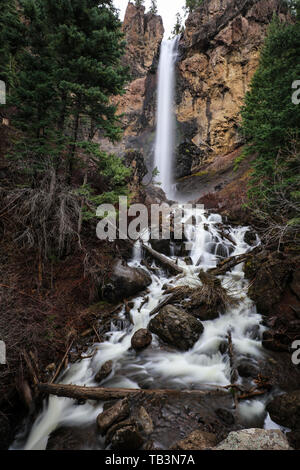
(157,366)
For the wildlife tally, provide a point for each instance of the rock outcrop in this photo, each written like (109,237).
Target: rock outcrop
(219,54)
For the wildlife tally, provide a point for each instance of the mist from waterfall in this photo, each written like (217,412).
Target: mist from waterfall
(165,131)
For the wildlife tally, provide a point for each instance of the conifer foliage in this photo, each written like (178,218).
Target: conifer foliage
(271,121)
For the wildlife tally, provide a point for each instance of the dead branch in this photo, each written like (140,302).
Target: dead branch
(60,366)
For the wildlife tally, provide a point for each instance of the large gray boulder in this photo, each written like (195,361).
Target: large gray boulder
(285,410)
(125,281)
(255,439)
(176,327)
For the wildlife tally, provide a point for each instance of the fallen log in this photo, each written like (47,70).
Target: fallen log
(163,260)
(102,394)
(230,263)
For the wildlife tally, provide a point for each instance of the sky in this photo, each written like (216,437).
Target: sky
(166,8)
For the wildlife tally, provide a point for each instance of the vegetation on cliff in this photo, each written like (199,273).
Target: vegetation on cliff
(271,125)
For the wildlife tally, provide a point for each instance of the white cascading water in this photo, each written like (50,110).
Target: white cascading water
(204,364)
(165,127)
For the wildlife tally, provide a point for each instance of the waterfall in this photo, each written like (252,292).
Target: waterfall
(165,130)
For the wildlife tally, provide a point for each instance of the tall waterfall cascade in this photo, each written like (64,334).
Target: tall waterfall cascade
(206,363)
(165,127)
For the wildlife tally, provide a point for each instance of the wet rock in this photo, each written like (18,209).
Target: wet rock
(104,372)
(126,438)
(247,369)
(255,439)
(113,415)
(250,237)
(226,416)
(188,261)
(141,339)
(125,281)
(176,327)
(197,440)
(285,410)
(223,348)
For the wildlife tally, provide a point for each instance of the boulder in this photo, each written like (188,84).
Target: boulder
(104,371)
(176,327)
(113,415)
(255,439)
(141,339)
(197,440)
(285,410)
(125,281)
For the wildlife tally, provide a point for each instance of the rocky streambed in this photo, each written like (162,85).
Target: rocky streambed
(189,347)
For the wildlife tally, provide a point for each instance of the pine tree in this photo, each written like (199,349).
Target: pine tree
(11,40)
(271,119)
(153,7)
(69,71)
(178,27)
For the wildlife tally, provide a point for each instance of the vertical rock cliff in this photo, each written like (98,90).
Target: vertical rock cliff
(219,54)
(143,34)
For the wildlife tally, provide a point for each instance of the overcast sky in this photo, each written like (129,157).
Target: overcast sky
(166,8)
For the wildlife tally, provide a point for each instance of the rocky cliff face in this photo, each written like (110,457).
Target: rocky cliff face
(219,55)
(143,34)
